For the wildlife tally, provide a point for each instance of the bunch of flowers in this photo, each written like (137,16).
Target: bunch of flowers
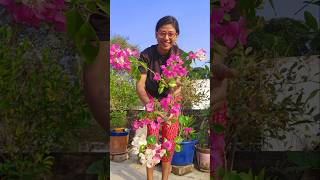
(167,110)
(229,31)
(34,12)
(119,58)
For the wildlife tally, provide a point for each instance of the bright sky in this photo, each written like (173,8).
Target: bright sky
(136,20)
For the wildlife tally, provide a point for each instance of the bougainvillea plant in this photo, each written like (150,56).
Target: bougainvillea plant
(157,112)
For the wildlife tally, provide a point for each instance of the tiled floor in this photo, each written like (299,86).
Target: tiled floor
(131,170)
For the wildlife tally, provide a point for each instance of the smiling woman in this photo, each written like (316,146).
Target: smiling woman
(167,31)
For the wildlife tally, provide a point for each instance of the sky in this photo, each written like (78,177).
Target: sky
(136,20)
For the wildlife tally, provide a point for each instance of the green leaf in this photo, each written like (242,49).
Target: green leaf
(177,148)
(152,140)
(104,6)
(85,33)
(161,87)
(220,171)
(273,7)
(231,176)
(245,176)
(91,6)
(261,175)
(95,168)
(218,128)
(172,83)
(312,2)
(74,22)
(312,94)
(178,139)
(310,20)
(89,52)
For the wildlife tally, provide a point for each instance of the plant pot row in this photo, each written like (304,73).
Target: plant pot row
(119,138)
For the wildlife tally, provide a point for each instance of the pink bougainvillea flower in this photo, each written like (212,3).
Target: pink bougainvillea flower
(150,105)
(191,56)
(159,119)
(227,5)
(153,125)
(175,109)
(231,34)
(243,34)
(216,18)
(146,121)
(119,58)
(168,145)
(135,125)
(187,130)
(157,77)
(164,102)
(33,12)
(201,54)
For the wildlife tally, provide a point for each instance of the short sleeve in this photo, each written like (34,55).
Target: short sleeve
(145,60)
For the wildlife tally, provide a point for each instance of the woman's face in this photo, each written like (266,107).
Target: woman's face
(166,37)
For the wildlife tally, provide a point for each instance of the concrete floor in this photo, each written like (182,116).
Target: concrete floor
(131,170)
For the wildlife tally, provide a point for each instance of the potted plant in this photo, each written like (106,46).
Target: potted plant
(119,135)
(185,142)
(202,148)
(122,99)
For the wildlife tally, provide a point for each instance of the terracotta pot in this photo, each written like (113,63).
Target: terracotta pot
(203,158)
(95,76)
(119,141)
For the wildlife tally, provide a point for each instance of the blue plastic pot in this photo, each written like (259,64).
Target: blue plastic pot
(125,132)
(185,156)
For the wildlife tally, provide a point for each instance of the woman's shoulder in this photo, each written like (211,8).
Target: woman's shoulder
(147,53)
(149,50)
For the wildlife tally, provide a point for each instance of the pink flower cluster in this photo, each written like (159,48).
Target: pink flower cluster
(33,12)
(119,58)
(187,131)
(173,67)
(170,105)
(229,32)
(142,122)
(199,54)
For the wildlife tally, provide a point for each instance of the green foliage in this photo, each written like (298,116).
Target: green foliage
(234,175)
(118,118)
(41,107)
(203,135)
(100,168)
(281,37)
(255,107)
(78,27)
(123,42)
(190,94)
(306,160)
(310,21)
(200,73)
(28,167)
(122,97)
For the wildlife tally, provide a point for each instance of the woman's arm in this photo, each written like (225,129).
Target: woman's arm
(140,89)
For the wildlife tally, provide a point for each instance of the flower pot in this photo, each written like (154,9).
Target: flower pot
(119,141)
(185,156)
(203,158)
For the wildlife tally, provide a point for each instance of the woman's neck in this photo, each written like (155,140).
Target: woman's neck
(161,51)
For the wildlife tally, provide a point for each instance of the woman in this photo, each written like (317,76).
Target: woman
(166,32)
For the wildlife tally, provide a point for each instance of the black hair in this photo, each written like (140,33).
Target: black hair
(168,20)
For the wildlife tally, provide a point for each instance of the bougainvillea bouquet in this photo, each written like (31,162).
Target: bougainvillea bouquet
(167,110)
